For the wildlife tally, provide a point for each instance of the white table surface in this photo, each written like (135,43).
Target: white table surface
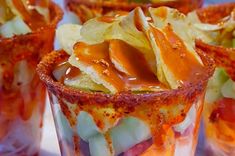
(49,144)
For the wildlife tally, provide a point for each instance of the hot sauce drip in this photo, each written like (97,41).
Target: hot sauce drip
(106,19)
(29,14)
(127,57)
(72,72)
(173,50)
(225,110)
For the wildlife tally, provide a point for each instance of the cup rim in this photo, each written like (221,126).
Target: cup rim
(207,14)
(224,57)
(187,93)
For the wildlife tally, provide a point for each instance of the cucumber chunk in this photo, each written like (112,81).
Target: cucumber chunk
(14,27)
(84,82)
(7,30)
(98,146)
(228,89)
(66,131)
(128,133)
(213,92)
(86,126)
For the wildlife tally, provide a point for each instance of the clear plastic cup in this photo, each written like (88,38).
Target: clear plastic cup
(219,108)
(94,123)
(22,95)
(87,9)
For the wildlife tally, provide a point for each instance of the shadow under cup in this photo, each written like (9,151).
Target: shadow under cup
(22,95)
(126,124)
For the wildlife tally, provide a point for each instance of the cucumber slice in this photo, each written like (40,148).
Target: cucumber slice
(14,27)
(20,26)
(84,82)
(228,89)
(98,146)
(128,133)
(213,92)
(7,30)
(86,126)
(66,131)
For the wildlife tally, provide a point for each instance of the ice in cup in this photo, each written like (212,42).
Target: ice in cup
(218,22)
(26,34)
(87,9)
(127,86)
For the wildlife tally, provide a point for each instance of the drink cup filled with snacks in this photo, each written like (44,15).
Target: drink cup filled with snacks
(218,22)
(26,34)
(125,86)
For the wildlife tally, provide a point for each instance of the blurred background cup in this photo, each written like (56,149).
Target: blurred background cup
(80,115)
(219,108)
(22,95)
(87,9)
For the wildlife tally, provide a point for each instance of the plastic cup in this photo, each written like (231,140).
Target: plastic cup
(219,108)
(94,123)
(22,95)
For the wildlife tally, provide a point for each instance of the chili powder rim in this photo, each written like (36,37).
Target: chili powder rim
(186,93)
(224,57)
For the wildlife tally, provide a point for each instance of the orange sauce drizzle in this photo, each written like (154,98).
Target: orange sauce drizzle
(138,21)
(161,12)
(174,51)
(106,19)
(72,72)
(41,3)
(98,57)
(31,17)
